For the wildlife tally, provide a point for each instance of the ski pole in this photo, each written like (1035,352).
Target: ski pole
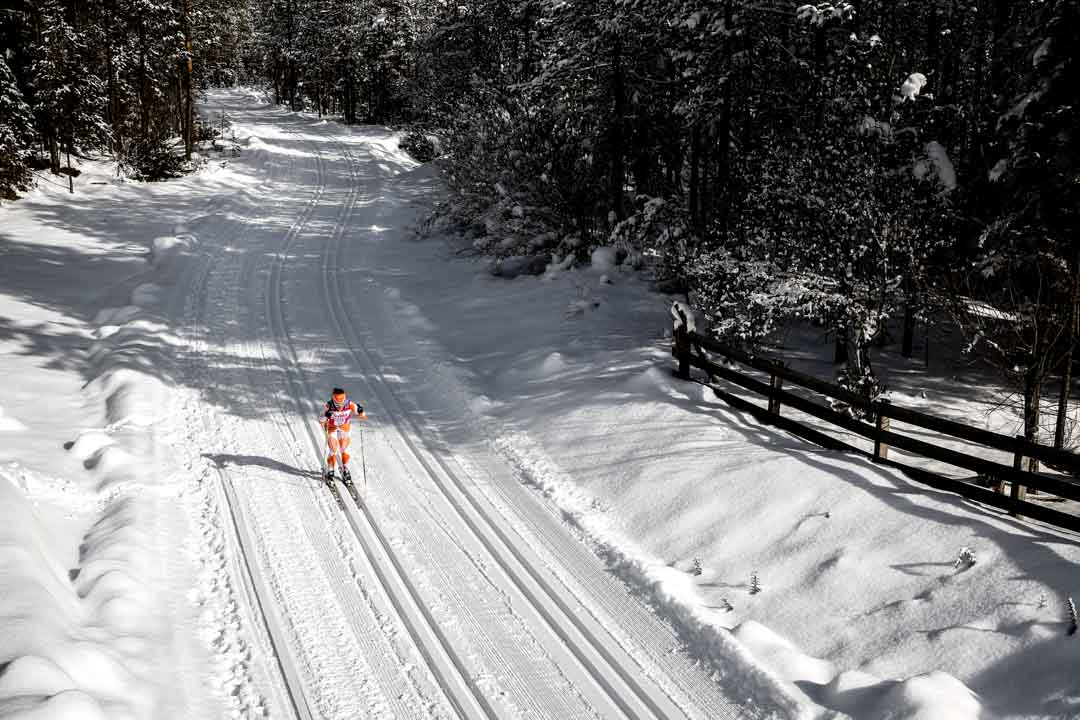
(363,460)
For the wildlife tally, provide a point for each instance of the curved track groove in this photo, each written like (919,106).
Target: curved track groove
(317,669)
(589,651)
(255,589)
(492,625)
(463,694)
(285,661)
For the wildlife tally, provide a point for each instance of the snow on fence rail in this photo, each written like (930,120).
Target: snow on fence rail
(689,349)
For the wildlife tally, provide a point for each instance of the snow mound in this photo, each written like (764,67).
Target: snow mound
(33,675)
(166,247)
(604,259)
(516,265)
(859,694)
(9,424)
(930,696)
(89,443)
(553,364)
(653,380)
(781,655)
(87,640)
(146,294)
(68,705)
(116,315)
(557,267)
(131,397)
(670,591)
(42,654)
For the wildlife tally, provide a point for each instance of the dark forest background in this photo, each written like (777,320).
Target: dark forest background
(866,167)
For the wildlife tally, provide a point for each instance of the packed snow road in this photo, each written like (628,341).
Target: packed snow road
(453,591)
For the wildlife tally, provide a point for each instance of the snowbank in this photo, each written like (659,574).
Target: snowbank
(860,606)
(86,643)
(107,550)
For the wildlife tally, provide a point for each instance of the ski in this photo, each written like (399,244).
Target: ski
(351,487)
(329,481)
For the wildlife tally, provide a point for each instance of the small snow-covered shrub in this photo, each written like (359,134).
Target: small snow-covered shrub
(515,265)
(206,131)
(695,566)
(862,382)
(660,230)
(151,159)
(419,146)
(965,558)
(755,583)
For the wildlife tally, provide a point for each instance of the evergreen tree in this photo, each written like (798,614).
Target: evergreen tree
(16,135)
(69,98)
(1029,268)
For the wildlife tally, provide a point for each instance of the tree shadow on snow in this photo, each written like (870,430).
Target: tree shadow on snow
(1008,684)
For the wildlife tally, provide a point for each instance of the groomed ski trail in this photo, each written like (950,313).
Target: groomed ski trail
(452,592)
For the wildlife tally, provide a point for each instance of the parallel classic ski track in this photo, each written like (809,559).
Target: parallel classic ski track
(460,691)
(590,652)
(331,605)
(609,673)
(680,684)
(250,577)
(285,663)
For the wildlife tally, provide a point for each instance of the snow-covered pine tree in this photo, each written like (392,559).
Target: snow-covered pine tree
(16,135)
(69,98)
(1028,267)
(153,111)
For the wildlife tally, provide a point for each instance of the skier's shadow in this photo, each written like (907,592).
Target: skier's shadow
(223,461)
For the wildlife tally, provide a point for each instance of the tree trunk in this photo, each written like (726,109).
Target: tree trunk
(695,175)
(116,141)
(907,345)
(840,352)
(618,168)
(144,99)
(189,100)
(1070,345)
(1032,396)
(724,142)
(54,151)
(704,195)
(857,355)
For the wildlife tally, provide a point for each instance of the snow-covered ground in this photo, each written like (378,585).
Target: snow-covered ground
(554,527)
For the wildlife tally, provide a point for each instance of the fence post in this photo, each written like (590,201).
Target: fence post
(681,347)
(1018,491)
(776,383)
(881,448)
(71,184)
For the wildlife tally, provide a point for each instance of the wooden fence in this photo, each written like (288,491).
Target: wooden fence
(689,350)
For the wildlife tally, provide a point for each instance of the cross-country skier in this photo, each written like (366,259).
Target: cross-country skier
(336,420)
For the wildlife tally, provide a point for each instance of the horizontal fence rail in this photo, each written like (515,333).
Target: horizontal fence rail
(691,349)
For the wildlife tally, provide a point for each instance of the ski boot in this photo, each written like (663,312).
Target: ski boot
(329,476)
(346,476)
